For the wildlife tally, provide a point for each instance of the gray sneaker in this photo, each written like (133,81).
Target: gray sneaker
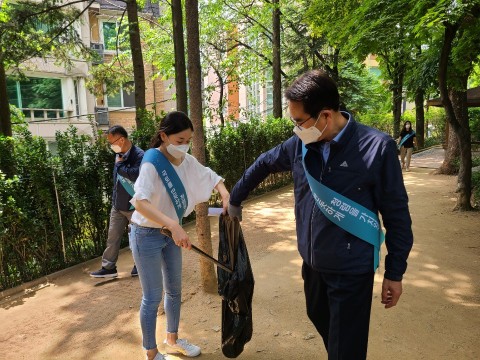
(105,273)
(184,347)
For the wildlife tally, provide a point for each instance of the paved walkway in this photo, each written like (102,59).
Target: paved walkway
(431,158)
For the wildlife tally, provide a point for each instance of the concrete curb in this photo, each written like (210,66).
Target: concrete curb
(429,148)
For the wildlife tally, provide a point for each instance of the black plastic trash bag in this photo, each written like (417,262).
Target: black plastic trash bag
(236,288)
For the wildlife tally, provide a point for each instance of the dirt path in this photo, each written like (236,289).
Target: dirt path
(438,317)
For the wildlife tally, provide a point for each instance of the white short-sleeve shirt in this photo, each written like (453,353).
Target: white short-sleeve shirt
(199,182)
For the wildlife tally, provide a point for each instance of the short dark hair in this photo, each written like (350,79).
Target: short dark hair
(118,130)
(316,91)
(173,123)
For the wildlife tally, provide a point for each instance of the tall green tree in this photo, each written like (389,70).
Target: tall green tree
(277,65)
(179,48)
(195,89)
(383,28)
(30,29)
(459,22)
(137,59)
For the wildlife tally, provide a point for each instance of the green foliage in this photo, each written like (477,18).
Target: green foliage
(474,118)
(380,121)
(81,175)
(476,187)
(30,231)
(150,124)
(39,29)
(234,147)
(361,91)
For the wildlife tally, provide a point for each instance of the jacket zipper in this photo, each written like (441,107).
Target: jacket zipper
(324,164)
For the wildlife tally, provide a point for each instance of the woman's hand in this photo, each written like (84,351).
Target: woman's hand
(180,237)
(225,202)
(224,194)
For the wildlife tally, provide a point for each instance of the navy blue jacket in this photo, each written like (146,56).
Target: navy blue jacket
(129,168)
(364,167)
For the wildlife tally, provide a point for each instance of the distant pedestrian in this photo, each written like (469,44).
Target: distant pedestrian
(406,142)
(128,158)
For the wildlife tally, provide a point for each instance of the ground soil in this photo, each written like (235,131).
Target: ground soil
(72,316)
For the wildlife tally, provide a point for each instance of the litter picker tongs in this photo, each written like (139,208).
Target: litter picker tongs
(218,263)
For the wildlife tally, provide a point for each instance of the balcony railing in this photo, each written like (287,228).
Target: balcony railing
(32,114)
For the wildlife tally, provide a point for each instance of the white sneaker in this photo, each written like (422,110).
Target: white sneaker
(157,357)
(184,347)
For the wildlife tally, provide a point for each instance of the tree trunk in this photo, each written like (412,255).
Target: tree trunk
(277,77)
(455,104)
(5,120)
(397,98)
(137,60)
(452,152)
(420,118)
(464,182)
(179,48)
(195,88)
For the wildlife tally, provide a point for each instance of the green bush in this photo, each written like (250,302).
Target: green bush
(234,147)
(474,118)
(382,122)
(150,123)
(476,188)
(30,231)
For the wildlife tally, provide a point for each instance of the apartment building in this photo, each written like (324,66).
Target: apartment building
(53,97)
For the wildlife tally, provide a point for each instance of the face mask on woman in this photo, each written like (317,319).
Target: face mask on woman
(178,151)
(407,127)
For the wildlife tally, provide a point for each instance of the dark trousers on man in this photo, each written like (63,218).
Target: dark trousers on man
(339,306)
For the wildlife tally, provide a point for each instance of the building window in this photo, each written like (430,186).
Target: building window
(109,30)
(36,93)
(125,97)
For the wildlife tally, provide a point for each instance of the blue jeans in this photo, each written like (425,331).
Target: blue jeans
(159,265)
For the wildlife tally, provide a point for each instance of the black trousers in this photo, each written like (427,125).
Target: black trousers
(339,307)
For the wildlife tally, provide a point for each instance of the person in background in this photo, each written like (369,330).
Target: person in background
(406,142)
(344,174)
(170,184)
(128,158)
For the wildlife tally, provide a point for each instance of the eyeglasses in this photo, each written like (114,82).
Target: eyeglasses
(301,122)
(116,140)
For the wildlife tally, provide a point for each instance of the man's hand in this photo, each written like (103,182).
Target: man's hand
(391,291)
(235,211)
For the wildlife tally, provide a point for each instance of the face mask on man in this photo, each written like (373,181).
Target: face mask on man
(309,135)
(116,148)
(177,151)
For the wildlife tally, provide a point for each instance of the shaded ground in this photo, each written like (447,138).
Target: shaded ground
(73,316)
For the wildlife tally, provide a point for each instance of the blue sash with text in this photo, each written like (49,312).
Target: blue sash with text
(170,179)
(347,214)
(128,186)
(405,138)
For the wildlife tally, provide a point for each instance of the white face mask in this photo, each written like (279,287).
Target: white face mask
(407,127)
(177,151)
(309,135)
(116,148)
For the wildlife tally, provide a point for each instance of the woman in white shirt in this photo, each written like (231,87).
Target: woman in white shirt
(156,235)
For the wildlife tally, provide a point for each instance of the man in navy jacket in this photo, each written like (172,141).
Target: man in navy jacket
(361,164)
(128,159)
